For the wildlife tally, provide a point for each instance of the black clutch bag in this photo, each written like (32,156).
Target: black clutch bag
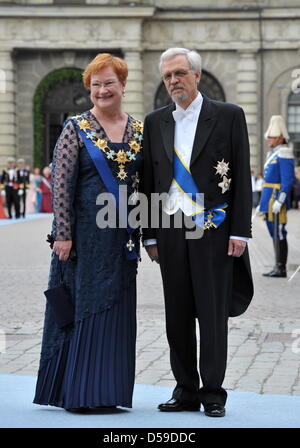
(61,303)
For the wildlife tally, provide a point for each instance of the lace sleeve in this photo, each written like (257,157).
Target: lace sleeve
(64,167)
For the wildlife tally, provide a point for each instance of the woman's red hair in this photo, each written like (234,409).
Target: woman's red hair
(101,61)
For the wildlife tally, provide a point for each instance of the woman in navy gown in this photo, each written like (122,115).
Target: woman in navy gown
(92,363)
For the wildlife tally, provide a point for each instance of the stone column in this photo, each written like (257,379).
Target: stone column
(7,108)
(247,98)
(133,102)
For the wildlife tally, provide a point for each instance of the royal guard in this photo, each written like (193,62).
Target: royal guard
(24,184)
(278,180)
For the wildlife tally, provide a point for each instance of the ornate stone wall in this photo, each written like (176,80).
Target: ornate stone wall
(250,52)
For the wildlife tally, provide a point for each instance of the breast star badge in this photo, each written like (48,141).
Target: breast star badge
(222,168)
(83,124)
(225,184)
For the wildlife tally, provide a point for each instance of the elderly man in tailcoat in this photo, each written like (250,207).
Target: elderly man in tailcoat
(197,145)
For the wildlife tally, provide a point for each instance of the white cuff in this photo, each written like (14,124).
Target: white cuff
(150,242)
(241,238)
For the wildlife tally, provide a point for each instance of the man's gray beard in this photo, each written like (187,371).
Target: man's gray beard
(179,99)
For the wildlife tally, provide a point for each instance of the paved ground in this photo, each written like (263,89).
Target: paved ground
(264,343)
(243,410)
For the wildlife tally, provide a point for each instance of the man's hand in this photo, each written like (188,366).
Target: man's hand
(62,249)
(152,252)
(236,247)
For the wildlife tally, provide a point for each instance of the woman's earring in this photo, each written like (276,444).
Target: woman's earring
(123,92)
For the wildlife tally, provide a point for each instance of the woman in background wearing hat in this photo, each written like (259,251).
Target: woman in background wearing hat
(278,180)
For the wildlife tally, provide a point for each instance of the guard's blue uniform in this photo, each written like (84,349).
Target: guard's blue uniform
(278,177)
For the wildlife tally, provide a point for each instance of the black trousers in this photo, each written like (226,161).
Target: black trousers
(197,281)
(12,199)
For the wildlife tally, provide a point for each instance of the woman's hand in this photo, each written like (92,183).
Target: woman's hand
(62,249)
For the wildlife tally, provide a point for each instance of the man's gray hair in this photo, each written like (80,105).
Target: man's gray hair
(193,57)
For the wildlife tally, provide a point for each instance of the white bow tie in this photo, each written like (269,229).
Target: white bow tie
(180,114)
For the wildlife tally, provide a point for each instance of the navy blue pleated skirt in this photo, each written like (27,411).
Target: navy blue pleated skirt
(96,367)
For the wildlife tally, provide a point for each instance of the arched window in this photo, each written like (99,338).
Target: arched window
(208,85)
(294,123)
(62,100)
(59,94)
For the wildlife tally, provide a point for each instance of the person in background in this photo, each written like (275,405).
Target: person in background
(3,214)
(297,189)
(45,186)
(31,195)
(9,183)
(278,180)
(37,182)
(24,185)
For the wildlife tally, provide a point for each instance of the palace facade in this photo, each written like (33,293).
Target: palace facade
(250,52)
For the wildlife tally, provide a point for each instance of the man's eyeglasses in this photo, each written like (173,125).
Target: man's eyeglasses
(178,74)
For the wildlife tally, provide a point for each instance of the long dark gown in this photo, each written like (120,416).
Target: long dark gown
(93,363)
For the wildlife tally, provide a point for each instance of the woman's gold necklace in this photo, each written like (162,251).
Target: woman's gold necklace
(121,157)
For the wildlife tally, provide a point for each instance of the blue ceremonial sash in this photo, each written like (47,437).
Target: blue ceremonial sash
(186,184)
(109,181)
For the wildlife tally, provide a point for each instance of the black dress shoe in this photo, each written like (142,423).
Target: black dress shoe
(276,272)
(214,410)
(174,405)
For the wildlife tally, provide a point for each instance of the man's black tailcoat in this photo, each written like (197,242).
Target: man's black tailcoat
(199,278)
(221,134)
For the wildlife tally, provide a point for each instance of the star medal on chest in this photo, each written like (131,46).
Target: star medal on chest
(225,184)
(122,156)
(222,169)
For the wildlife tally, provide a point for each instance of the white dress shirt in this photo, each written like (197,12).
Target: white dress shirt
(186,121)
(11,173)
(185,129)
